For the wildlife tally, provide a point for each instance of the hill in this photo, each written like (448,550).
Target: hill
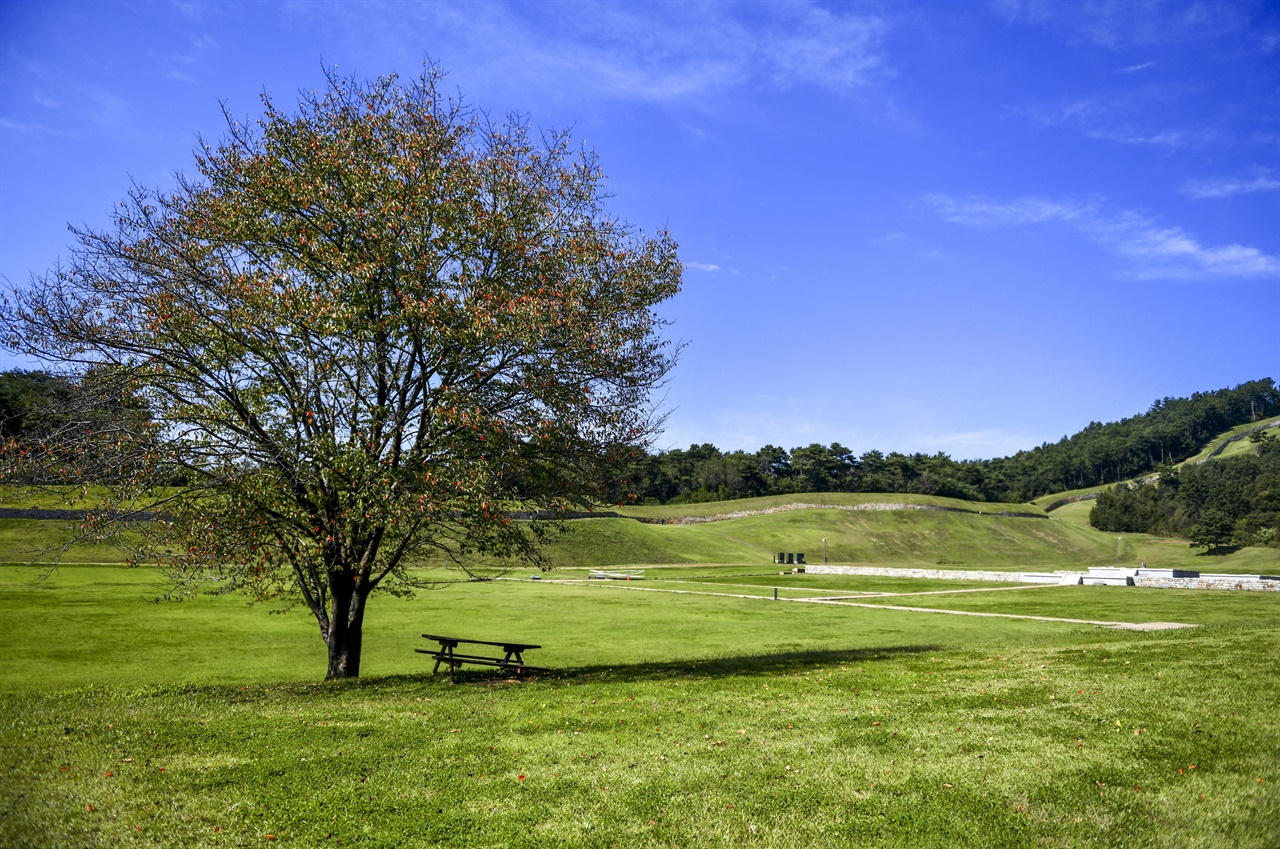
(1169,432)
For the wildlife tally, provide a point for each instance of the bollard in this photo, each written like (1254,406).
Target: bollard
(775,593)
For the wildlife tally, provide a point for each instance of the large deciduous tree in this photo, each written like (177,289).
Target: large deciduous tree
(365,333)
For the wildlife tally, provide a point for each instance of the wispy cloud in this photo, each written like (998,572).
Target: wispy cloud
(1167,138)
(702,266)
(1225,187)
(649,52)
(1111,119)
(1133,69)
(1154,251)
(980,212)
(1118,24)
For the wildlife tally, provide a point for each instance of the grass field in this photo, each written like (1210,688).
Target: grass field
(1237,447)
(687,709)
(715,508)
(888,537)
(672,719)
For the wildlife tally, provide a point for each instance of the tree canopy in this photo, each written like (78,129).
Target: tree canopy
(364,333)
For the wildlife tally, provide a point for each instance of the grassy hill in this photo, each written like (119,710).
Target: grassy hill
(899,537)
(975,538)
(1233,441)
(835,499)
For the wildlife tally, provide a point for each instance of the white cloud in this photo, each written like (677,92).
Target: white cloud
(819,46)
(1167,138)
(1132,69)
(1225,187)
(981,212)
(650,52)
(702,266)
(1118,24)
(1154,251)
(1123,119)
(1169,252)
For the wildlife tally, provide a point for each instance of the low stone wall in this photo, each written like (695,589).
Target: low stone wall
(1255,583)
(1210,582)
(890,572)
(1071,499)
(1236,438)
(70,515)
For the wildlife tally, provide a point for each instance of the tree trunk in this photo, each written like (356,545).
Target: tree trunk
(346,624)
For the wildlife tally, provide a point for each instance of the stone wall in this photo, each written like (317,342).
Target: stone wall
(1133,577)
(890,572)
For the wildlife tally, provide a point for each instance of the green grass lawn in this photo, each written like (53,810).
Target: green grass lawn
(670,720)
(894,536)
(1244,446)
(1235,447)
(716,508)
(1045,500)
(44,540)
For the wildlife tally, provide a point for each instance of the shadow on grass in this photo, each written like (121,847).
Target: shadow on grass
(1219,551)
(781,663)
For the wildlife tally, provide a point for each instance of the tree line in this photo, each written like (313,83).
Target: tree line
(1172,430)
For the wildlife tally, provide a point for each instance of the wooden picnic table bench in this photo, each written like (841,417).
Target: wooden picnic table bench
(511,661)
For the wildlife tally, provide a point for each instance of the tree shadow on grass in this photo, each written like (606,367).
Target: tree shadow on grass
(1219,551)
(779,663)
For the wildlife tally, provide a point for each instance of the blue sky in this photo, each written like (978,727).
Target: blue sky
(959,227)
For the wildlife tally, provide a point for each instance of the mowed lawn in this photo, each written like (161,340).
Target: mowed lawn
(671,720)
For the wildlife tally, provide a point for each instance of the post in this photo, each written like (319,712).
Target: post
(824,549)
(775,593)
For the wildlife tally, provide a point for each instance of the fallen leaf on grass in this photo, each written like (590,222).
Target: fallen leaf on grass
(948,785)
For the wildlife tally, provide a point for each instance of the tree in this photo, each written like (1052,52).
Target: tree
(366,332)
(23,395)
(80,421)
(1213,530)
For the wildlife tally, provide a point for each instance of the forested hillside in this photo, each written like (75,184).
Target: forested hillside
(1234,500)
(1172,430)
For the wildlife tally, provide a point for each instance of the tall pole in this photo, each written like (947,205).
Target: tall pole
(824,549)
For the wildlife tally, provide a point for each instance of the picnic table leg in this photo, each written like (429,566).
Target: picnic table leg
(451,664)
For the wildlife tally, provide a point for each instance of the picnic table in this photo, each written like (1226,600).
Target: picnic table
(511,661)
